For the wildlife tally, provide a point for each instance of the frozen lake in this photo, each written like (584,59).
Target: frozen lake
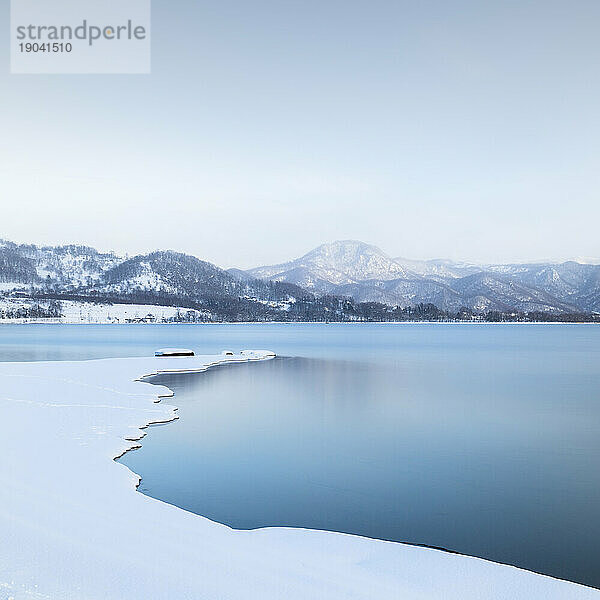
(483,439)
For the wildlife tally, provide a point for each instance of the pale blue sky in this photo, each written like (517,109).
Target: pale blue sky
(459,129)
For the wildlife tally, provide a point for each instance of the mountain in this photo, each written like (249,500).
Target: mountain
(240,275)
(439,269)
(161,278)
(168,272)
(366,274)
(570,282)
(68,266)
(33,279)
(490,291)
(344,280)
(331,265)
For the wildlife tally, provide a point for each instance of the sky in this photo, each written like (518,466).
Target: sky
(459,129)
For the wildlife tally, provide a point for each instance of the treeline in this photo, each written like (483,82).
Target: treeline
(540,317)
(303,308)
(242,309)
(36,311)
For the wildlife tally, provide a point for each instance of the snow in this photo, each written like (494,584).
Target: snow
(92,312)
(73,526)
(88,312)
(5,287)
(338,263)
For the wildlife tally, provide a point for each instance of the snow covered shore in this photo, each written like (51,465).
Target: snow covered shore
(73,527)
(74,312)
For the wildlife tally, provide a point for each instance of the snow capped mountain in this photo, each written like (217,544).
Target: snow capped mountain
(440,268)
(73,266)
(85,269)
(169,273)
(314,286)
(487,290)
(78,273)
(338,263)
(365,273)
(570,282)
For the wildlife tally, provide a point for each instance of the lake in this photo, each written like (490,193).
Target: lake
(481,439)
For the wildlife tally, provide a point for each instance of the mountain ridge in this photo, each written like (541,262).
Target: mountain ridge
(450,285)
(341,262)
(316,285)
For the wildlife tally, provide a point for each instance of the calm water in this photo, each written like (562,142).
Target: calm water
(482,439)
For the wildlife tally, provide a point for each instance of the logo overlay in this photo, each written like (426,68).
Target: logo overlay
(80,36)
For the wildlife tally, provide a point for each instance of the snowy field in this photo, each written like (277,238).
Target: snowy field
(88,312)
(73,527)
(91,312)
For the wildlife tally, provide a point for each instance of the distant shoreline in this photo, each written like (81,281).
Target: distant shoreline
(58,322)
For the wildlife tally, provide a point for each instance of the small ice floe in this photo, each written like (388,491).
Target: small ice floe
(174,352)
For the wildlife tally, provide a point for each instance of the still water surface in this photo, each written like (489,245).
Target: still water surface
(483,439)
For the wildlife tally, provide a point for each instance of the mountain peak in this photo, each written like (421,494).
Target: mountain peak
(345,250)
(336,263)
